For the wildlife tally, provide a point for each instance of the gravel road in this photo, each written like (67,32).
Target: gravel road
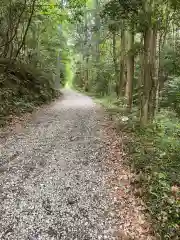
(52,176)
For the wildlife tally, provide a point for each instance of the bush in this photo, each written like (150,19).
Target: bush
(171,97)
(156,155)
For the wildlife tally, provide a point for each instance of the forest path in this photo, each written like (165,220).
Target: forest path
(54,175)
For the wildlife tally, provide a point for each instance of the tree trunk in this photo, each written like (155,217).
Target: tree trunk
(122,63)
(115,57)
(154,63)
(97,37)
(97,21)
(157,73)
(86,85)
(86,56)
(141,81)
(26,30)
(130,68)
(147,76)
(149,95)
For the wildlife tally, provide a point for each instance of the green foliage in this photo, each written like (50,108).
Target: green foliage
(23,89)
(170,59)
(155,159)
(156,154)
(175,4)
(118,9)
(101,58)
(33,44)
(171,97)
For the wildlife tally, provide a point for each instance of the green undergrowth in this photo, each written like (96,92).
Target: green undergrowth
(22,89)
(155,159)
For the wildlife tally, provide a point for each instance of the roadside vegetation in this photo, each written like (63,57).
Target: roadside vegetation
(128,57)
(34,56)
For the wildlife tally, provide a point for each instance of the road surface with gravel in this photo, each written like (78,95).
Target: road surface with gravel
(52,176)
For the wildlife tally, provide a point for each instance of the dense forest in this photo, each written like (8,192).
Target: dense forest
(125,53)
(33,51)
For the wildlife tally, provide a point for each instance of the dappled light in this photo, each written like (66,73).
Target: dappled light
(89,119)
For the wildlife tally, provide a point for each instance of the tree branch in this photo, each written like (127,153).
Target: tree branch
(26,31)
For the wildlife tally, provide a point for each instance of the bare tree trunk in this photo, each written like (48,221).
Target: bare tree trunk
(86,57)
(147,76)
(150,44)
(141,81)
(154,63)
(97,37)
(86,85)
(115,57)
(130,68)
(149,97)
(9,30)
(122,63)
(157,73)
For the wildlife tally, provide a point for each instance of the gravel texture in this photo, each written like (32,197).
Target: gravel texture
(52,176)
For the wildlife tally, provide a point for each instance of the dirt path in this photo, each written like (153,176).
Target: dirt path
(53,176)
